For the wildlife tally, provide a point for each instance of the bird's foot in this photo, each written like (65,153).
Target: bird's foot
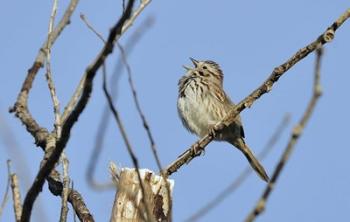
(197,149)
(212,132)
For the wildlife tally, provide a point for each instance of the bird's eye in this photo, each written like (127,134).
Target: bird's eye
(201,73)
(204,67)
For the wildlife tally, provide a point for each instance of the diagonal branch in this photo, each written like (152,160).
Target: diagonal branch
(67,125)
(103,125)
(324,38)
(297,131)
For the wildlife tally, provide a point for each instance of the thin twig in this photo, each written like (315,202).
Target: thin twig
(134,93)
(66,181)
(78,91)
(67,125)
(133,90)
(295,135)
(5,198)
(48,74)
(137,12)
(87,23)
(266,87)
(104,122)
(16,195)
(138,107)
(128,145)
(243,175)
(21,163)
(144,121)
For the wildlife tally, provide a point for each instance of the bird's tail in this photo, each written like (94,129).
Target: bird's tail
(255,164)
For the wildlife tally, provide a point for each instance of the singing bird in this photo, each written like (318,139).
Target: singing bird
(202,103)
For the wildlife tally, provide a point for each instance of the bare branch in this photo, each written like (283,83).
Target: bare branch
(87,23)
(20,108)
(66,181)
(16,195)
(243,175)
(79,206)
(266,87)
(104,120)
(74,100)
(48,74)
(298,129)
(74,214)
(67,125)
(20,161)
(5,198)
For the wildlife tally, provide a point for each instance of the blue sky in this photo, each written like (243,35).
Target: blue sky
(248,39)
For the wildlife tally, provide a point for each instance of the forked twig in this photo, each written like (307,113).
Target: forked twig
(67,125)
(20,108)
(298,129)
(39,133)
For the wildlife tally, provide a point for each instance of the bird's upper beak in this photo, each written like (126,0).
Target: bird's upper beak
(195,62)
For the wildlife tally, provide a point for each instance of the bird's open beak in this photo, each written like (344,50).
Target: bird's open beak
(195,62)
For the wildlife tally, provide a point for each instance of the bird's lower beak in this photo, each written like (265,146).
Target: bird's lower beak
(187,68)
(195,62)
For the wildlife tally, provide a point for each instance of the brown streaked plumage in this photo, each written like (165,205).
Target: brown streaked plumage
(202,103)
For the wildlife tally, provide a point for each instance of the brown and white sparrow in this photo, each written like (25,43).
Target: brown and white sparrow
(202,103)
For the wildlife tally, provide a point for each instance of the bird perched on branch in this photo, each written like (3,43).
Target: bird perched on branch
(202,103)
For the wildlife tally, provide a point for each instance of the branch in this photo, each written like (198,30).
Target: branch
(78,91)
(297,131)
(48,74)
(65,192)
(242,176)
(16,195)
(103,125)
(78,204)
(5,198)
(20,108)
(133,91)
(19,160)
(200,145)
(67,125)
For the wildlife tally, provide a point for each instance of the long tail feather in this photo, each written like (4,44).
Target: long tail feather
(255,164)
